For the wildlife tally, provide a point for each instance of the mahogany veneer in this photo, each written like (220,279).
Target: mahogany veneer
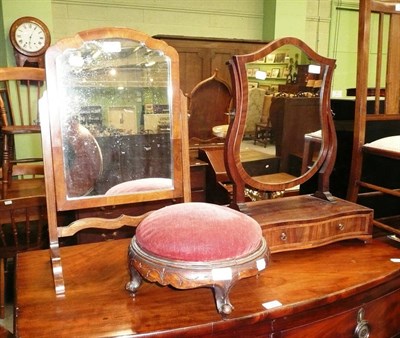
(305,221)
(321,291)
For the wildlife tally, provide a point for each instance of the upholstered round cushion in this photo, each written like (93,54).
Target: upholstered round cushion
(198,232)
(143,184)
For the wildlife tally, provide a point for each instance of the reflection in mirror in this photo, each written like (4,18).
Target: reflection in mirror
(283,108)
(115,111)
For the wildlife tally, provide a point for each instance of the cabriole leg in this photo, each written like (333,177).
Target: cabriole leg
(136,279)
(221,293)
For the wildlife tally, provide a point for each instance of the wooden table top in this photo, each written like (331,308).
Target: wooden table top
(96,303)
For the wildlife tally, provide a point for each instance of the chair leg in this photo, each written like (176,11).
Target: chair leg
(261,135)
(5,166)
(355,175)
(255,136)
(2,289)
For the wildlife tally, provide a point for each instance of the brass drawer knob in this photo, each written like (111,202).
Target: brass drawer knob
(362,328)
(341,226)
(283,236)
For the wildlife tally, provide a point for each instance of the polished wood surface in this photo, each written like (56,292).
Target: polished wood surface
(321,291)
(306,221)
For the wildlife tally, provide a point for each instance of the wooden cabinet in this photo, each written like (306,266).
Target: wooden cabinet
(291,119)
(320,292)
(199,57)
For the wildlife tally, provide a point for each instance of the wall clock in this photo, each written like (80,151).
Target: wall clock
(30,39)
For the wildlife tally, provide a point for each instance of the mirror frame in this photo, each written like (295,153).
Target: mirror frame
(51,127)
(325,162)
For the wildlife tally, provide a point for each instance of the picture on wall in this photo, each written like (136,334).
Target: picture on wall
(275,72)
(286,72)
(280,57)
(270,58)
(253,85)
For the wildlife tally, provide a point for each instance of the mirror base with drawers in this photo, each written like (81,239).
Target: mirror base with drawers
(303,133)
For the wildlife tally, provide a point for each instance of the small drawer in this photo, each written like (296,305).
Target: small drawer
(305,235)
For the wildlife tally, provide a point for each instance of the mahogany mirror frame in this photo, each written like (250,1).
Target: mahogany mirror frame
(325,162)
(52,128)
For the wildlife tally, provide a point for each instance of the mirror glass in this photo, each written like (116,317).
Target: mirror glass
(114,100)
(283,112)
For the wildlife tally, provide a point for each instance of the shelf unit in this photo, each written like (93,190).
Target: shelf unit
(280,67)
(271,82)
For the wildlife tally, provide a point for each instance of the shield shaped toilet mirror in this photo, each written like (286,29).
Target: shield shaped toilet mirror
(297,143)
(282,99)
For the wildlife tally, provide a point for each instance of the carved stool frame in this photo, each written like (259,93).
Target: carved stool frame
(220,275)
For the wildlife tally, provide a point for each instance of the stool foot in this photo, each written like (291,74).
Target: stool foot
(136,279)
(221,293)
(134,284)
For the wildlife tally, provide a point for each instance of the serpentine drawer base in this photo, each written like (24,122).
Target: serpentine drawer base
(302,222)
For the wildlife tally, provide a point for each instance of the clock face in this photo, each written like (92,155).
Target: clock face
(30,37)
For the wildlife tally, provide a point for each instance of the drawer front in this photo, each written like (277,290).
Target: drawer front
(307,234)
(379,317)
(262,167)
